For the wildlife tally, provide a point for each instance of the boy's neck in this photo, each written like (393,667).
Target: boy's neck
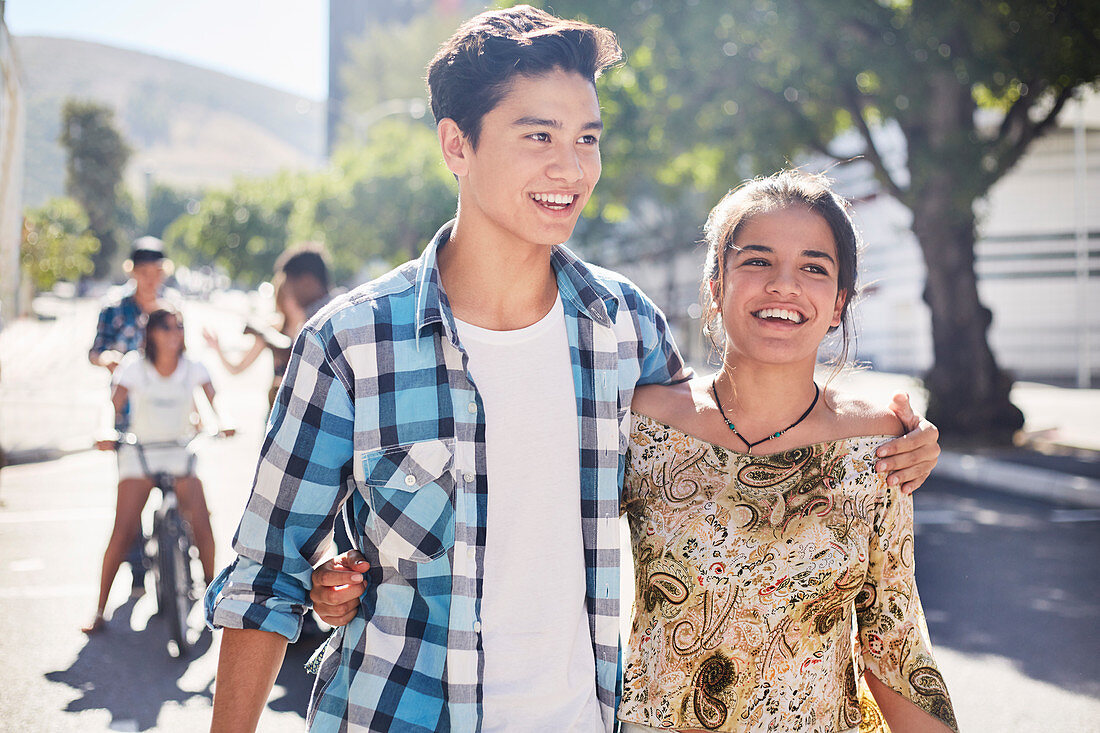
(494,281)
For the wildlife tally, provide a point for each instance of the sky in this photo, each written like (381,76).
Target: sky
(281,43)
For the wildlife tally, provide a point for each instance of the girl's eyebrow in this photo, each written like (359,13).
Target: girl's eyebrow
(814,253)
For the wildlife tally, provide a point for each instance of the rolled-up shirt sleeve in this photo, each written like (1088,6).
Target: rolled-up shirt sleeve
(302,480)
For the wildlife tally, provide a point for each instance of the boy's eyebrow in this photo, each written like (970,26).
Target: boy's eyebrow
(815,253)
(554,124)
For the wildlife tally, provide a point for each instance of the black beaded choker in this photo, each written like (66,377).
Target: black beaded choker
(714,389)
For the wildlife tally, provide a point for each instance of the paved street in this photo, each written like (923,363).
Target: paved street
(1010,585)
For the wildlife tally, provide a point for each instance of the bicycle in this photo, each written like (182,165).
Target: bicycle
(168,549)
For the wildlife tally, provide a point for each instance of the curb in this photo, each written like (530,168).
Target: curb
(1015,478)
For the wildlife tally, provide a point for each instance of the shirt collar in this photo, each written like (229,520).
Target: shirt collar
(577,283)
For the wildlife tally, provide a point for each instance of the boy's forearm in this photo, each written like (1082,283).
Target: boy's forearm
(248,663)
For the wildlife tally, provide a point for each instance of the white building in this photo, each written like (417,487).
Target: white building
(11,173)
(1037,260)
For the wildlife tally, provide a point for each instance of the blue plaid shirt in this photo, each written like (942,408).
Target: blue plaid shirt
(377,415)
(121,324)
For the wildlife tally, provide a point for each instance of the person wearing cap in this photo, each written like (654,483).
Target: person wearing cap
(122,321)
(121,329)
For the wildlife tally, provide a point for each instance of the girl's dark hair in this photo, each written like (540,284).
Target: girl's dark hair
(473,70)
(781,190)
(156,320)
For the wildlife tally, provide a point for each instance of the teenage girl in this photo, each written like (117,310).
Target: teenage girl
(159,382)
(773,565)
(280,341)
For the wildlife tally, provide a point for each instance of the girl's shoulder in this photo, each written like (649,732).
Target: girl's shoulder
(857,416)
(671,404)
(193,370)
(129,369)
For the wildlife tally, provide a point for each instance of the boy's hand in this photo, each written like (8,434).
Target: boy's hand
(910,458)
(337,585)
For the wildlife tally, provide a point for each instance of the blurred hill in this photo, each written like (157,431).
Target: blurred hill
(189,126)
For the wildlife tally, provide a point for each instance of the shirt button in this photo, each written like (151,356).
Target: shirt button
(410,480)
(468,477)
(477,627)
(472,408)
(471,551)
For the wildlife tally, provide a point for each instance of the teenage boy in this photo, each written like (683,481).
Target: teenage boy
(467,411)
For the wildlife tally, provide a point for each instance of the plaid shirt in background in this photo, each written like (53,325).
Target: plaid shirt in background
(121,325)
(377,410)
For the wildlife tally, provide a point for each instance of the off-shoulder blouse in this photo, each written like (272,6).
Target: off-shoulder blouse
(765,585)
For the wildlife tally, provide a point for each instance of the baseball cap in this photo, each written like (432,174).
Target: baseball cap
(146,249)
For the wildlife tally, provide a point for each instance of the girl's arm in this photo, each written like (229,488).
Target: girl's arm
(902,715)
(118,400)
(246,361)
(895,650)
(118,403)
(208,390)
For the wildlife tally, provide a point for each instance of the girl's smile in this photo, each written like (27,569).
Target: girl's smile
(779,294)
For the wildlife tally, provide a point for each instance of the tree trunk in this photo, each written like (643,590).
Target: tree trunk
(968,392)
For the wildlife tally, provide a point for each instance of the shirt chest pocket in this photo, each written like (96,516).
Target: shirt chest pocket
(410,491)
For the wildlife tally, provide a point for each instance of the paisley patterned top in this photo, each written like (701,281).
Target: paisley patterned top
(766,585)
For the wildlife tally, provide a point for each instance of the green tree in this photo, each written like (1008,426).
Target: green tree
(241,230)
(96,156)
(165,205)
(716,91)
(385,74)
(57,244)
(383,200)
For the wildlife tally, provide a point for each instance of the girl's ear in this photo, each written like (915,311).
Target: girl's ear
(453,144)
(716,292)
(838,309)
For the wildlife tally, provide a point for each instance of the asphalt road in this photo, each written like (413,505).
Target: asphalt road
(1010,588)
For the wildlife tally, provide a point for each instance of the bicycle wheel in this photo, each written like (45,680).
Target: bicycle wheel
(176,567)
(154,551)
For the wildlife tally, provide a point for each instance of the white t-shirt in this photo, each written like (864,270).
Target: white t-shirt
(540,670)
(160,407)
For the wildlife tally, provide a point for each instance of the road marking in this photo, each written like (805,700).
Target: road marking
(1075,515)
(55,515)
(42,592)
(935,516)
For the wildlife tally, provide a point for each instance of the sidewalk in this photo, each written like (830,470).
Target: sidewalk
(1060,456)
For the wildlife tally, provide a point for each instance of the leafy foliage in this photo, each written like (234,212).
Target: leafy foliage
(377,203)
(57,244)
(96,159)
(242,230)
(714,92)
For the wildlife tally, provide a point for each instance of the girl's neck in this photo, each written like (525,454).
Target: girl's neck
(763,395)
(166,364)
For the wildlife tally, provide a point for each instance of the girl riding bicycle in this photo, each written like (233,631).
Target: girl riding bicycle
(159,383)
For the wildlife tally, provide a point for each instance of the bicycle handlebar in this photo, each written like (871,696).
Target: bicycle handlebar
(131,439)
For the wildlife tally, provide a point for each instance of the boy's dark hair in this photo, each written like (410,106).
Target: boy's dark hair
(305,259)
(473,70)
(156,320)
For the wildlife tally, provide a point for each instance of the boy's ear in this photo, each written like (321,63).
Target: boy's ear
(453,144)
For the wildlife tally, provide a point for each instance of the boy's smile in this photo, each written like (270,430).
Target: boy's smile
(536,162)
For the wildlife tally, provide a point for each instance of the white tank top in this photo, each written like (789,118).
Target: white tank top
(539,665)
(160,407)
